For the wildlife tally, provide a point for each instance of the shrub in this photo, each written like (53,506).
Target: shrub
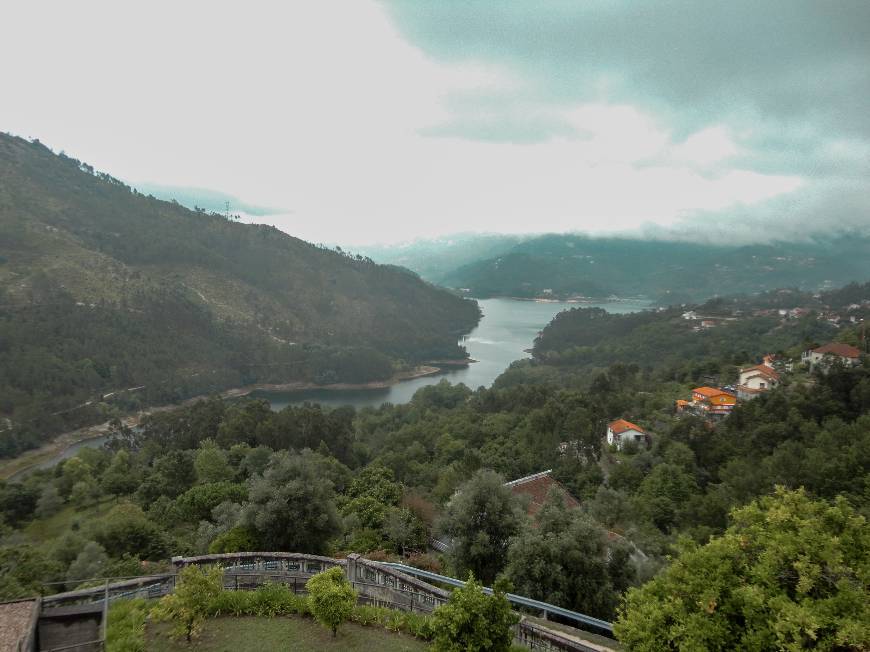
(126,627)
(473,620)
(230,603)
(331,598)
(195,593)
(416,624)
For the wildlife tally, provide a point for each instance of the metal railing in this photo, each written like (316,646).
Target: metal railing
(523,601)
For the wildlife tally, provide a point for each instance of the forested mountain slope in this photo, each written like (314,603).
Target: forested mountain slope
(673,272)
(104,289)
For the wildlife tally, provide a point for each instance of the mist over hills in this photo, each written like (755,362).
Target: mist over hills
(204,198)
(437,258)
(671,270)
(105,289)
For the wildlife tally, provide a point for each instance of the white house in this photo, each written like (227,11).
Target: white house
(847,354)
(757,379)
(620,432)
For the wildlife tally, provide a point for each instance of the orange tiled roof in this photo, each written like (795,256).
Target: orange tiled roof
(621,425)
(839,348)
(710,392)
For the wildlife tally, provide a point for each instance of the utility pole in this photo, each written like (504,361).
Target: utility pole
(227,206)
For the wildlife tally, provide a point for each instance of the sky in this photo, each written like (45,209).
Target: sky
(389,121)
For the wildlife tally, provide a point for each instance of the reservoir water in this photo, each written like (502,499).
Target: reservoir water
(506,330)
(508,327)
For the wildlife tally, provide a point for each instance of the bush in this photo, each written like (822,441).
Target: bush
(416,624)
(277,600)
(331,598)
(126,627)
(191,603)
(473,620)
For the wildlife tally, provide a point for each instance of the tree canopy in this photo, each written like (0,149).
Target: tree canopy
(789,573)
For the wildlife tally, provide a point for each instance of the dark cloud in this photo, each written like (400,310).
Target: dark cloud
(795,60)
(789,78)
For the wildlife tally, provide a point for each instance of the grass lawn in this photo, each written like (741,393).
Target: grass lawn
(281,633)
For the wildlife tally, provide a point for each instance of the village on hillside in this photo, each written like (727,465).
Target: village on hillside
(714,403)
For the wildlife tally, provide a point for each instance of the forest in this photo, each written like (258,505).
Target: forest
(235,475)
(667,271)
(103,289)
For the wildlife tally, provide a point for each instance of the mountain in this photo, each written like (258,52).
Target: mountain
(104,289)
(209,200)
(434,259)
(669,271)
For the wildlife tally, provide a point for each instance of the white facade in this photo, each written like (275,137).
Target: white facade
(619,439)
(755,379)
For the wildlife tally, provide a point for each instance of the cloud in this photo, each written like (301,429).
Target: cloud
(795,59)
(386,122)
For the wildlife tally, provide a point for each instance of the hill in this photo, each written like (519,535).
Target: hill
(672,272)
(104,289)
(434,259)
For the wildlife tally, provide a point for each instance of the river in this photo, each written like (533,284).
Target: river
(508,327)
(506,330)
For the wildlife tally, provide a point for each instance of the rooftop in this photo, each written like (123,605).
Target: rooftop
(621,425)
(536,487)
(762,369)
(710,391)
(839,348)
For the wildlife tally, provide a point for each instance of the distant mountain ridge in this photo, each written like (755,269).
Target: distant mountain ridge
(670,271)
(103,288)
(434,259)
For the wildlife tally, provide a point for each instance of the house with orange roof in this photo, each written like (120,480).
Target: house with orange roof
(620,432)
(713,401)
(757,379)
(825,355)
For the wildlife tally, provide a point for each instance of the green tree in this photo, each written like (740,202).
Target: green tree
(789,573)
(91,562)
(49,502)
(74,470)
(378,482)
(187,607)
(23,569)
(331,598)
(237,539)
(481,519)
(197,503)
(474,621)
(126,530)
(404,529)
(84,492)
(211,463)
(566,559)
(120,477)
(291,506)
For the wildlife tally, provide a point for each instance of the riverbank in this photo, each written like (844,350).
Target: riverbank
(418,372)
(27,461)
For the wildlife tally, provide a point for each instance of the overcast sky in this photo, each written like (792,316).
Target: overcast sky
(384,122)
